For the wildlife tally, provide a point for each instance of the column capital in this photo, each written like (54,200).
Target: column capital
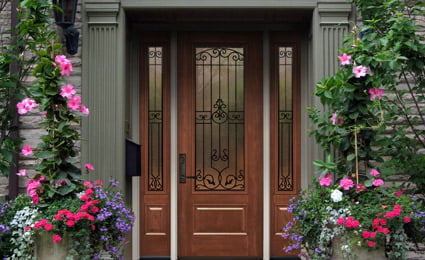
(102,12)
(334,12)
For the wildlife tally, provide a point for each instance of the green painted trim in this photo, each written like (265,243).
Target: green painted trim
(218,3)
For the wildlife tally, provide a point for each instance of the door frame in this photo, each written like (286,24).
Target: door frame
(266,142)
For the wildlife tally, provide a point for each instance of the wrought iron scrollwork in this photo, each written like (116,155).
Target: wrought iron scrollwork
(285,169)
(155,120)
(219,120)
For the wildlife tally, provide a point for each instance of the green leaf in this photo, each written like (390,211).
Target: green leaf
(45,155)
(351,157)
(66,189)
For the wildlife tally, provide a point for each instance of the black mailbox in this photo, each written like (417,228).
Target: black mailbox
(132,159)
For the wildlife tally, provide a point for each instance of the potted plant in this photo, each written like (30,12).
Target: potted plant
(351,206)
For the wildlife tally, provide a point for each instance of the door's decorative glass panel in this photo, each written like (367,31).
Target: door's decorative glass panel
(155,73)
(285,176)
(219,119)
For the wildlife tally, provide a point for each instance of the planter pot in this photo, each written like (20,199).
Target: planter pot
(360,253)
(46,249)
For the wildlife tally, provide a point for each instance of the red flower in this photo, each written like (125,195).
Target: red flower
(383,221)
(389,214)
(406,219)
(371,243)
(57,238)
(372,234)
(48,227)
(89,192)
(375,223)
(84,198)
(85,207)
(98,183)
(366,234)
(95,209)
(341,221)
(70,223)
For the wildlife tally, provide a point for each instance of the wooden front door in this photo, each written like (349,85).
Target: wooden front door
(220,145)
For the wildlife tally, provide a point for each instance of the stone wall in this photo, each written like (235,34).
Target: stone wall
(4,34)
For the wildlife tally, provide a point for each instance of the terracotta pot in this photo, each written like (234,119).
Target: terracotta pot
(360,253)
(46,249)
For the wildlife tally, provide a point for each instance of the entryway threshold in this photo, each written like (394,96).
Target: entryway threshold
(218,258)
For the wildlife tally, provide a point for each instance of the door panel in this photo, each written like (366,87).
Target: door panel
(220,142)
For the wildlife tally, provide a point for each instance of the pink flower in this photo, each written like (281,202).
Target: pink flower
(406,219)
(22,172)
(57,238)
(89,166)
(26,150)
(359,71)
(84,110)
(374,172)
(378,182)
(32,187)
(341,221)
(44,113)
(335,119)
(372,234)
(67,91)
(88,184)
(64,64)
(383,221)
(344,59)
(26,105)
(376,92)
(326,181)
(27,228)
(94,209)
(66,68)
(74,103)
(60,59)
(346,183)
(371,243)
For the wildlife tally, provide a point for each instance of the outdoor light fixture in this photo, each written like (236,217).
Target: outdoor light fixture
(65,18)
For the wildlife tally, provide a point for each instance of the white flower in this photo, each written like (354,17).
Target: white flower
(336,196)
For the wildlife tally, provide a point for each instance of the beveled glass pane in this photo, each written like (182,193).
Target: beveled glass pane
(285,176)
(219,119)
(155,73)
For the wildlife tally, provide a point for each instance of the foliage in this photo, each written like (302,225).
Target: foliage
(394,50)
(7,213)
(14,67)
(390,46)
